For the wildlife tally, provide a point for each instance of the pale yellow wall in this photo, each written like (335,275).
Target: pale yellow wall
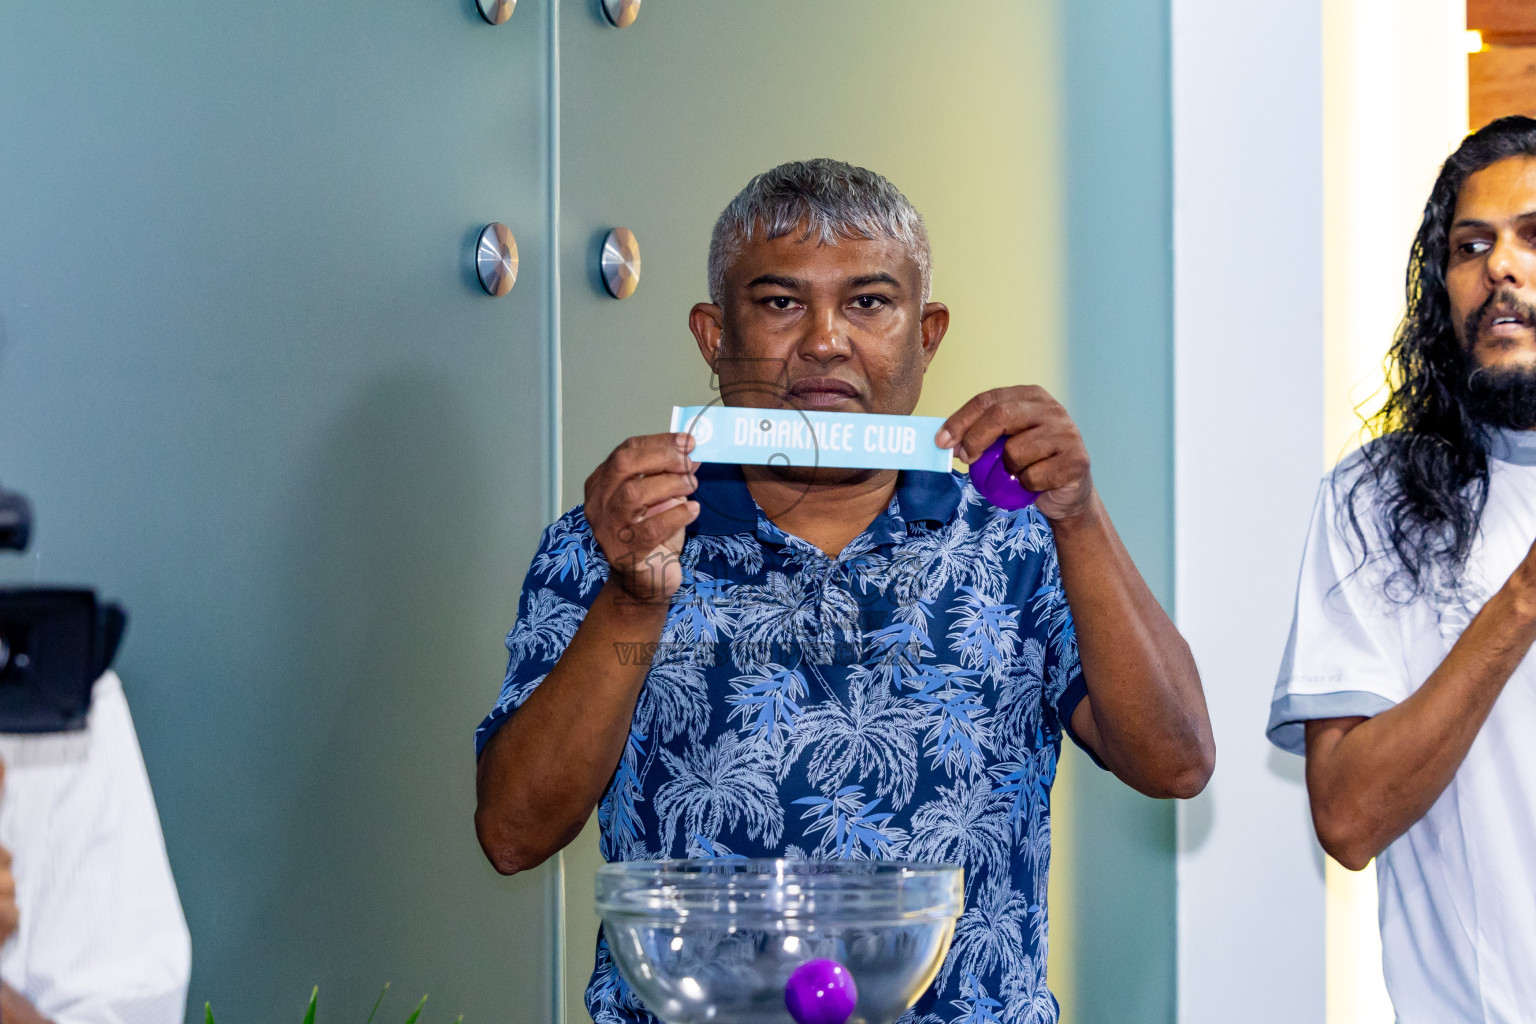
(663,122)
(1395,105)
(1004,121)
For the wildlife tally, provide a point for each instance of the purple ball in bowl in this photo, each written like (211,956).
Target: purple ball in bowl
(821,992)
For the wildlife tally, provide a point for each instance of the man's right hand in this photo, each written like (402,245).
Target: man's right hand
(637,505)
(542,774)
(10,917)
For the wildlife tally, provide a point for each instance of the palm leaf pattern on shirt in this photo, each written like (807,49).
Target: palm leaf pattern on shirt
(699,616)
(947,557)
(899,700)
(515,691)
(1026,999)
(544,629)
(873,734)
(967,824)
(765,702)
(721,785)
(959,727)
(674,701)
(1017,721)
(568,552)
(990,934)
(773,617)
(985,633)
(852,828)
(738,552)
(868,570)
(975,1006)
(894,652)
(618,815)
(1026,533)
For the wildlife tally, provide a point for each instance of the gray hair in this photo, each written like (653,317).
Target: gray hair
(825,199)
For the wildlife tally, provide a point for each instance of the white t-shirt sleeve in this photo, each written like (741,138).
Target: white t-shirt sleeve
(102,938)
(1344,656)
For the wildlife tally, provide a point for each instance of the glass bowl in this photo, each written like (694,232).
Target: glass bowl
(716,940)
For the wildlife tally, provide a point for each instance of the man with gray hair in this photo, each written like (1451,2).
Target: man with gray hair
(849,663)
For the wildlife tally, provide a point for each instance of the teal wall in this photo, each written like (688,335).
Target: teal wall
(254,393)
(1117,340)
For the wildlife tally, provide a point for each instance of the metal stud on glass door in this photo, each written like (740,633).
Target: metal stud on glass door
(496,11)
(496,260)
(621,263)
(621,13)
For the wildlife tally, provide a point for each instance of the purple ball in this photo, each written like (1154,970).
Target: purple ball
(995,483)
(821,992)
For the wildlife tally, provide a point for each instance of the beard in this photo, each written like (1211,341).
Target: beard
(1503,397)
(1499,396)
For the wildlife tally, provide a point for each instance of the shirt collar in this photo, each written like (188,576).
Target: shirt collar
(1513,446)
(924,496)
(726,507)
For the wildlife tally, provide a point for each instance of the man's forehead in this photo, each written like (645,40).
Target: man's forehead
(1503,190)
(811,259)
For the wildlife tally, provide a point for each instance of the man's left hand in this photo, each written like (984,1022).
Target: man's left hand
(1044,449)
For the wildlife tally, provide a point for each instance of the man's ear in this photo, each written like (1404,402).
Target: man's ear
(707,322)
(935,323)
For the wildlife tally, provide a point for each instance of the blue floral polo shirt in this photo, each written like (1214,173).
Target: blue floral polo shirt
(905,699)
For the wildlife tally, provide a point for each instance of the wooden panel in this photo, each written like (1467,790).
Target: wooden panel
(1500,80)
(1504,22)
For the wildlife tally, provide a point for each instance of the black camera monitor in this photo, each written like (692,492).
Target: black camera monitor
(54,644)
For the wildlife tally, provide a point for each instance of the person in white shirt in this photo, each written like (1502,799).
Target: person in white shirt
(1407,681)
(92,927)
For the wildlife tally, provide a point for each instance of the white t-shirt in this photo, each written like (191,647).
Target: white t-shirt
(101,939)
(1458,889)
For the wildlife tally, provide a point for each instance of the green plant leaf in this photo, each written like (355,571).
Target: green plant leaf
(208,1013)
(412,1018)
(376,1003)
(314,997)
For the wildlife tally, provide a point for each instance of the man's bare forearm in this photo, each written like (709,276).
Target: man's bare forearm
(1370,779)
(544,771)
(15,1008)
(1145,714)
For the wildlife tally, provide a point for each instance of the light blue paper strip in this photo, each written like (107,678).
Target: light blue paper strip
(790,437)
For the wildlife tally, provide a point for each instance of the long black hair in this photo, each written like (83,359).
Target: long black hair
(1426,474)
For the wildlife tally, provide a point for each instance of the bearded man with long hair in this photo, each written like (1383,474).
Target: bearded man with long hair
(1407,682)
